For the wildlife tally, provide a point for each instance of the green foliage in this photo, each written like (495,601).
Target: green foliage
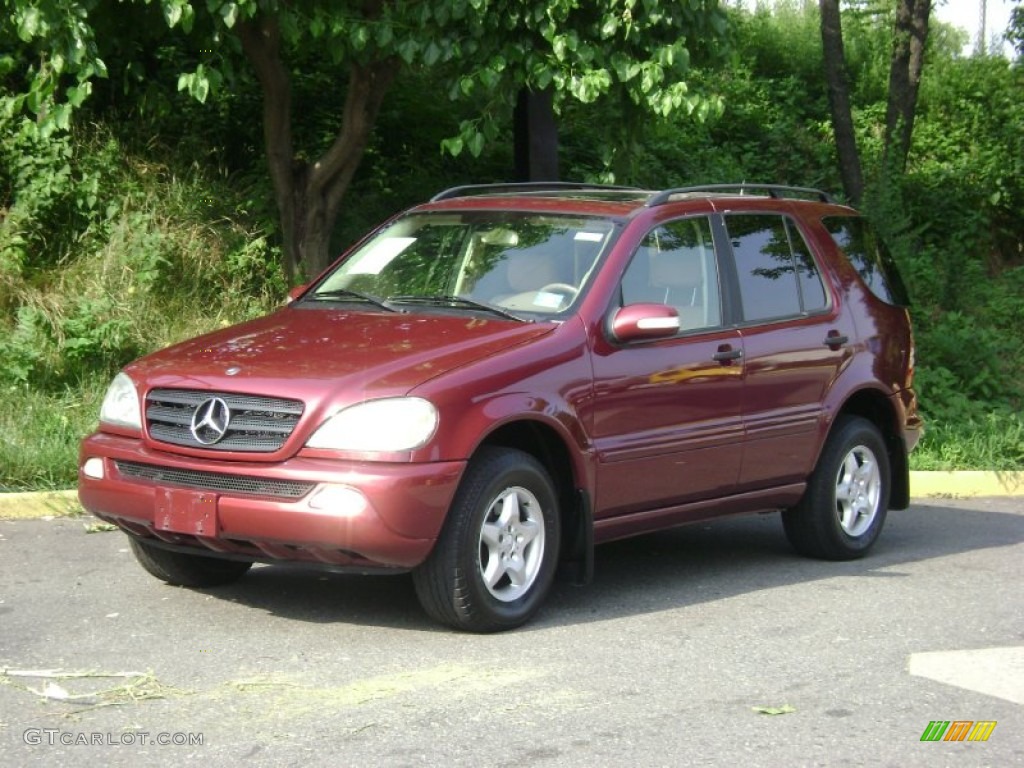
(40,432)
(152,218)
(636,51)
(45,192)
(992,441)
(106,255)
(1015,32)
(969,157)
(642,49)
(56,42)
(962,372)
(96,261)
(21,350)
(962,244)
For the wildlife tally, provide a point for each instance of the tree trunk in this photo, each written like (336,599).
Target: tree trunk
(909,37)
(309,195)
(839,100)
(330,176)
(261,41)
(536,136)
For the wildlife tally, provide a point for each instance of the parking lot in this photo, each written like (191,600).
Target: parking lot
(707,645)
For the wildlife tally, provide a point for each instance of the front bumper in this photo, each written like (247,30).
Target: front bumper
(363,515)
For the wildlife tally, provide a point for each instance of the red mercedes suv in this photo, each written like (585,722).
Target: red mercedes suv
(495,381)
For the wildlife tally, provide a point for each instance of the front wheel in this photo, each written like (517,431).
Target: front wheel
(844,507)
(495,559)
(186,570)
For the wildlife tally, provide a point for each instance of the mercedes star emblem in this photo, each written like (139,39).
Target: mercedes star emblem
(210,421)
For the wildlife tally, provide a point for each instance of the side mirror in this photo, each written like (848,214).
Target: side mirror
(643,322)
(295,292)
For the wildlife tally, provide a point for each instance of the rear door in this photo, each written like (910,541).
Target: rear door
(796,340)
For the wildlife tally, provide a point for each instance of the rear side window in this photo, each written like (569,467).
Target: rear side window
(777,274)
(869,256)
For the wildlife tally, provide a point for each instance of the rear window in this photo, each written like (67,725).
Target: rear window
(869,256)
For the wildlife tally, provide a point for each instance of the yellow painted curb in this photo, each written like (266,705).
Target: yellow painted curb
(966,484)
(15,506)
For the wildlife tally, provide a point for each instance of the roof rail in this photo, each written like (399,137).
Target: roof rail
(773,190)
(528,186)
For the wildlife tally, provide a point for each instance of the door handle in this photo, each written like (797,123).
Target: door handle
(727,354)
(834,340)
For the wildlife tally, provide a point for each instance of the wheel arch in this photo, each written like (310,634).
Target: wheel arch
(877,407)
(548,446)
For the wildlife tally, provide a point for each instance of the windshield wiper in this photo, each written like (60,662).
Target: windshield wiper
(343,293)
(459,301)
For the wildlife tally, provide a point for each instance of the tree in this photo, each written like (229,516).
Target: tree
(839,100)
(1015,31)
(910,33)
(909,36)
(637,50)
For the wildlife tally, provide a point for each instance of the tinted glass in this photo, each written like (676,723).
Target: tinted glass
(812,292)
(675,265)
(764,265)
(777,274)
(869,256)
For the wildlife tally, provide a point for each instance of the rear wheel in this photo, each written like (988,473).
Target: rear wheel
(495,559)
(845,504)
(185,570)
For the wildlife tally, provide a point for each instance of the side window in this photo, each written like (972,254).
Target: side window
(675,265)
(777,274)
(812,292)
(869,257)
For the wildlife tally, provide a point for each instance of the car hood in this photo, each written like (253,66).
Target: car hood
(317,354)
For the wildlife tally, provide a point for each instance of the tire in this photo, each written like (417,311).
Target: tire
(495,559)
(843,509)
(185,570)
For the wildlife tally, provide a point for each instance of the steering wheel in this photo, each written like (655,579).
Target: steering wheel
(569,291)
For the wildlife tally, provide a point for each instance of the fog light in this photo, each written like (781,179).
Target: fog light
(93,468)
(340,500)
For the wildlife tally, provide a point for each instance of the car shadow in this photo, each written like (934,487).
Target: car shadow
(655,572)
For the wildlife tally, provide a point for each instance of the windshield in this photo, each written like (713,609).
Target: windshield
(515,262)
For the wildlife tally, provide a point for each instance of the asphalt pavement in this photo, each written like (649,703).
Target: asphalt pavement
(703,646)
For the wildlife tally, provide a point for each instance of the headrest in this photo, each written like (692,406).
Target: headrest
(677,268)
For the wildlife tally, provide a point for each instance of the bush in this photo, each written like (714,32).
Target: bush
(98,266)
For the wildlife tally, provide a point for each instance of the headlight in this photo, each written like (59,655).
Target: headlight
(391,424)
(121,405)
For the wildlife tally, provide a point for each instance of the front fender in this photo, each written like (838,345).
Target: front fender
(479,423)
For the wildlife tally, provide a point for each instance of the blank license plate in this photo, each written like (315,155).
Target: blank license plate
(191,512)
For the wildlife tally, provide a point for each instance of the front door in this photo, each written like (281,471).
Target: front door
(666,418)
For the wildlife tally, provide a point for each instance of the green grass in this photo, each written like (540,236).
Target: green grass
(40,431)
(995,442)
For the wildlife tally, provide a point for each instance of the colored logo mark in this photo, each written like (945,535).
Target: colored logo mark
(958,730)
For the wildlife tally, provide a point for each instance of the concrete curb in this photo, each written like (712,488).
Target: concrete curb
(19,506)
(966,484)
(15,506)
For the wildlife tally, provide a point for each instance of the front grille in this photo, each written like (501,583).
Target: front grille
(256,424)
(214,481)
